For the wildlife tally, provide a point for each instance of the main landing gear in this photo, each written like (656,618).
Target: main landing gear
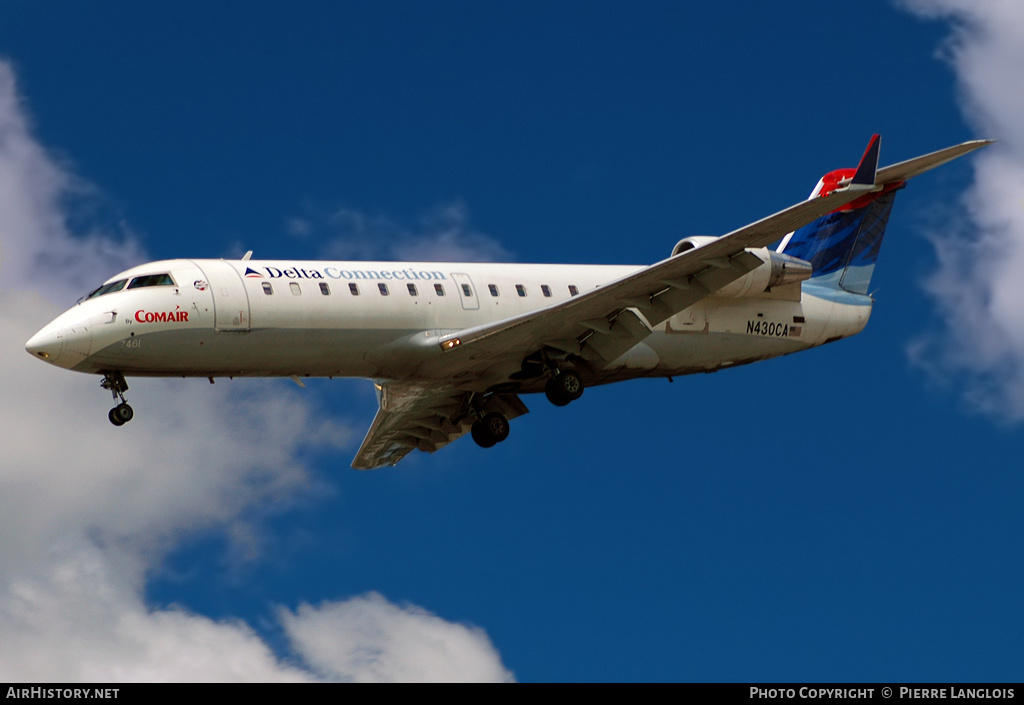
(491,427)
(122,413)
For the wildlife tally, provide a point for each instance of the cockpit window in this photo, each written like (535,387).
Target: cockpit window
(151,280)
(107,288)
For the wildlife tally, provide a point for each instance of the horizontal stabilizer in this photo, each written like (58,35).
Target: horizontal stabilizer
(919,165)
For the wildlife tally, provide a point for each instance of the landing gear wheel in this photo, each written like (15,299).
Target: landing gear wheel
(121,414)
(479,434)
(490,429)
(563,388)
(116,384)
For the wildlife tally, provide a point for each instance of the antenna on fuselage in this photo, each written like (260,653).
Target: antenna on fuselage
(247,255)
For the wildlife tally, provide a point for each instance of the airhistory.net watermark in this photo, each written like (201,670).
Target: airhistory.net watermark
(62,693)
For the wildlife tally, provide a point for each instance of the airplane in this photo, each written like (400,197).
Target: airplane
(451,347)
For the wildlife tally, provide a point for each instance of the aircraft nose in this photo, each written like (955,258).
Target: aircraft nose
(65,342)
(47,345)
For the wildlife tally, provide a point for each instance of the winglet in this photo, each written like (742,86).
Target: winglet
(868,166)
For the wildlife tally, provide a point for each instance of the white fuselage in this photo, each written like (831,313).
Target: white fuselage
(371,319)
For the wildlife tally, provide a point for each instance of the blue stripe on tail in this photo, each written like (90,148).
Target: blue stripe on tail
(843,246)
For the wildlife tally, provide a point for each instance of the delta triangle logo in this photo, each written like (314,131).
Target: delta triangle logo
(251,273)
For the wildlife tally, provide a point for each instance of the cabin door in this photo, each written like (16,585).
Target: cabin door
(230,300)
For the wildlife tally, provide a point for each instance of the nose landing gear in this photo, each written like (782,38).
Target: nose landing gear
(122,413)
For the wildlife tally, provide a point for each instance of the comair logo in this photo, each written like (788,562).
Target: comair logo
(175,316)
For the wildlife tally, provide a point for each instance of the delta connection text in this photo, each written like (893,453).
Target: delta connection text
(945,692)
(351,274)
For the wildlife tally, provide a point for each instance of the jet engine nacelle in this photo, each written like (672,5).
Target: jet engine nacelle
(777,269)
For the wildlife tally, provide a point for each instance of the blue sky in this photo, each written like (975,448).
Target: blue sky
(850,513)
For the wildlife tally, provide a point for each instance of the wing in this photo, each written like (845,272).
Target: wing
(597,326)
(422,416)
(603,324)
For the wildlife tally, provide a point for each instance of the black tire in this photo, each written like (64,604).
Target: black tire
(497,426)
(554,393)
(112,415)
(123,412)
(489,430)
(563,388)
(479,433)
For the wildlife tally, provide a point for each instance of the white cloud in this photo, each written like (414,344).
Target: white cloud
(368,639)
(978,286)
(77,618)
(88,509)
(35,195)
(444,234)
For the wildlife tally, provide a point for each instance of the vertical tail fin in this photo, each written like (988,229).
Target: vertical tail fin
(843,246)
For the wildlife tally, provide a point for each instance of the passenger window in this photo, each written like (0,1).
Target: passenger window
(325,289)
(412,290)
(546,290)
(354,288)
(294,286)
(520,289)
(466,290)
(151,280)
(573,291)
(267,288)
(439,289)
(493,289)
(383,289)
